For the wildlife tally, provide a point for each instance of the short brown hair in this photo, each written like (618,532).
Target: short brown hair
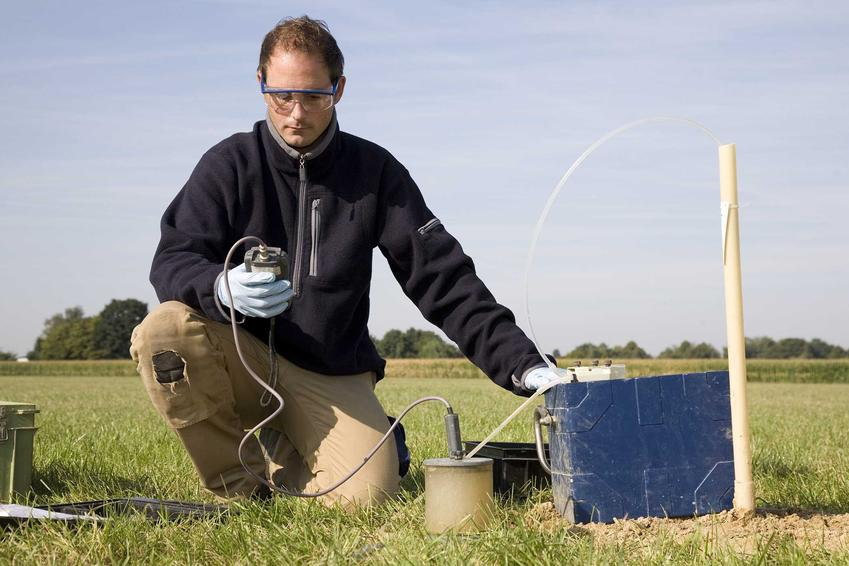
(306,35)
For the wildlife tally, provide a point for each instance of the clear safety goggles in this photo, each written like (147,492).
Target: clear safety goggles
(284,99)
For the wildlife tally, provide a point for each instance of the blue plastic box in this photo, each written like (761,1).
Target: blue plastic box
(644,447)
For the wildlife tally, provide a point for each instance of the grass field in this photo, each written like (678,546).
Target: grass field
(790,371)
(99,438)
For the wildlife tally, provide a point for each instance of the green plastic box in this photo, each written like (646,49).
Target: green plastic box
(17,431)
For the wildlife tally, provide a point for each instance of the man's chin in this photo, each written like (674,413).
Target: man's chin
(298,140)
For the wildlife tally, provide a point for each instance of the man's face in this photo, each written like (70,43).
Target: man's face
(299,71)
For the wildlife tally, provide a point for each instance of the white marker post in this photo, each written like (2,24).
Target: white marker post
(744,498)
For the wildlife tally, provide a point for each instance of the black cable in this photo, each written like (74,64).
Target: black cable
(272,363)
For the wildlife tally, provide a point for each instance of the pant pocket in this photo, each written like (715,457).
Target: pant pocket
(184,374)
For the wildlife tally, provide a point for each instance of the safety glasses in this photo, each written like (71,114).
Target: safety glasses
(310,100)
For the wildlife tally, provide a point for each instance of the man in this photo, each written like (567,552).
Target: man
(328,198)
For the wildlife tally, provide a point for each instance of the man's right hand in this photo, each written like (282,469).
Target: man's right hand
(541,376)
(255,293)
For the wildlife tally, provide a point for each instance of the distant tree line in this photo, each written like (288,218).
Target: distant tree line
(414,343)
(597,351)
(766,347)
(73,336)
(758,347)
(688,350)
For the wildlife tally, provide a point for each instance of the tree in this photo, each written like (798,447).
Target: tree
(704,350)
(766,347)
(789,348)
(73,336)
(36,349)
(688,350)
(819,349)
(394,345)
(677,352)
(67,337)
(760,347)
(430,345)
(70,314)
(415,343)
(630,351)
(7,356)
(115,325)
(835,351)
(47,346)
(589,351)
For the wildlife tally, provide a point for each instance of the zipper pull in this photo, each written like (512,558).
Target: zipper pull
(302,168)
(430,225)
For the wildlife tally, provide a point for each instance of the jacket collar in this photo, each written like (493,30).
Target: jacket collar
(286,157)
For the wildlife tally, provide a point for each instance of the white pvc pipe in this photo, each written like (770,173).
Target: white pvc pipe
(744,498)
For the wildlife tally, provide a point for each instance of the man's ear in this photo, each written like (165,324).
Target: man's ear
(340,88)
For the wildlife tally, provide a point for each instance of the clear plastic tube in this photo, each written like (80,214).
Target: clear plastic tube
(538,229)
(554,194)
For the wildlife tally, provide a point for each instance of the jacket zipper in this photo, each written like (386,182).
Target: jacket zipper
(430,225)
(315,223)
(302,220)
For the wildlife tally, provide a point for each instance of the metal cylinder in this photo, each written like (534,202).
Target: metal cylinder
(458,494)
(452,432)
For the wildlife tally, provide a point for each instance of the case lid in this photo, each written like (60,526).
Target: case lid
(12,408)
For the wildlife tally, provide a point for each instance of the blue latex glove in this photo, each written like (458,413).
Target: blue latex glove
(538,377)
(255,293)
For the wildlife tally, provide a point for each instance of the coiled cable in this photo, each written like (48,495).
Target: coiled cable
(272,391)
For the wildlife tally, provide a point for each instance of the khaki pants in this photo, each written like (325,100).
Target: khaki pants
(196,381)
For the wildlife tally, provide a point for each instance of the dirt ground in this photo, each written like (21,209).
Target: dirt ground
(738,532)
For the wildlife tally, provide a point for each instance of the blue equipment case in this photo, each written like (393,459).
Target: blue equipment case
(655,446)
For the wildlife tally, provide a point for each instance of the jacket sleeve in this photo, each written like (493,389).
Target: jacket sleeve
(196,233)
(440,279)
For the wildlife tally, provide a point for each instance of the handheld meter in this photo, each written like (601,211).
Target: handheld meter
(264,258)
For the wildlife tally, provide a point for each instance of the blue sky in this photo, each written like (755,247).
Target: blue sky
(105,108)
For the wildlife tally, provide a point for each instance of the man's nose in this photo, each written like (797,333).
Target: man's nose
(297,110)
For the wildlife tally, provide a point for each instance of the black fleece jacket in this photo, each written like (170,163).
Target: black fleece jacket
(329,211)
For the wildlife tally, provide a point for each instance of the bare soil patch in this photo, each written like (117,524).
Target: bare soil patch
(728,529)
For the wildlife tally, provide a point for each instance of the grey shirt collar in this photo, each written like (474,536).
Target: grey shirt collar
(311,151)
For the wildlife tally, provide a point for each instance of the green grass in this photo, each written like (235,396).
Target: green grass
(99,438)
(84,368)
(790,371)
